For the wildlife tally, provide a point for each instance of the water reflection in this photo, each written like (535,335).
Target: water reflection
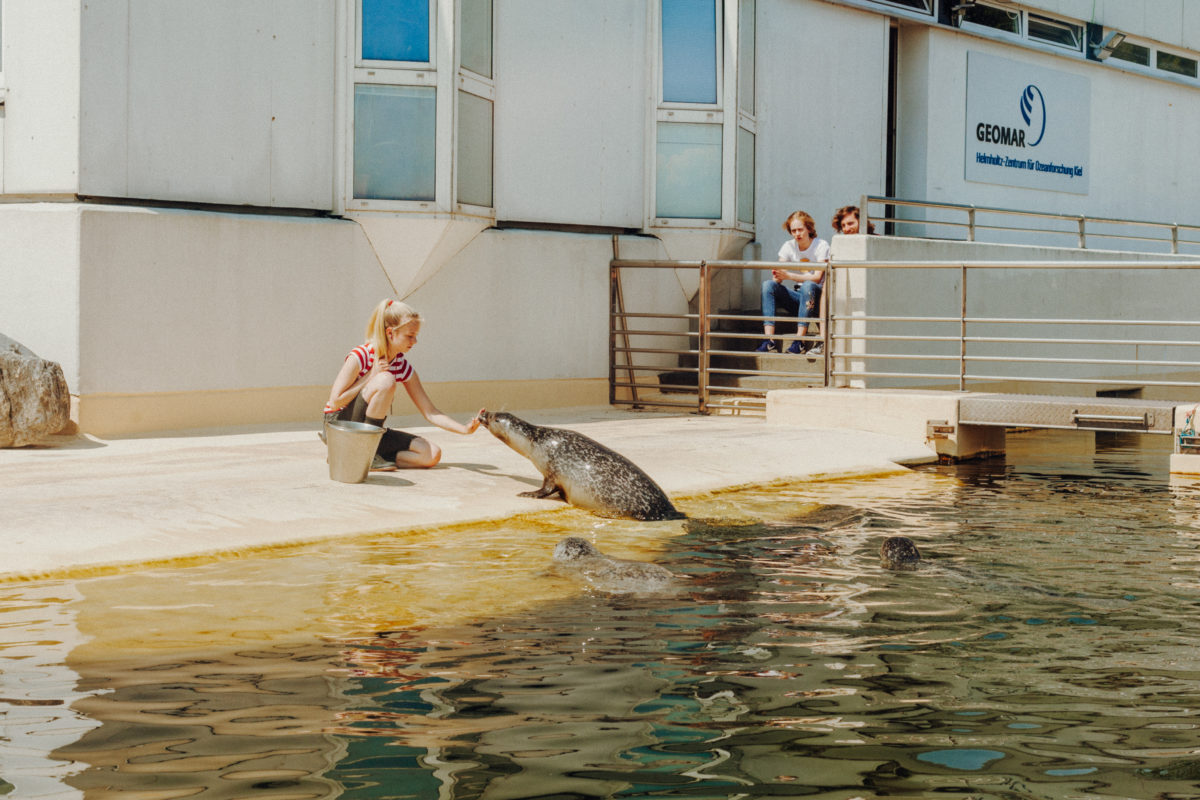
(1045,649)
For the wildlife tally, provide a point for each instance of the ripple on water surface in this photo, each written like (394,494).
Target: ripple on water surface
(1047,647)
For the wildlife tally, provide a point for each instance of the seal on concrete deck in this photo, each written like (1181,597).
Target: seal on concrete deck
(582,471)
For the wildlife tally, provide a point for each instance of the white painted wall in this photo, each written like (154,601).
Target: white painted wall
(39,263)
(40,144)
(1174,22)
(182,300)
(134,300)
(822,101)
(519,305)
(1142,132)
(240,112)
(571,105)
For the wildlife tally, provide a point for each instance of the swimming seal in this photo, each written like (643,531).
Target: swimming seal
(583,471)
(611,574)
(899,552)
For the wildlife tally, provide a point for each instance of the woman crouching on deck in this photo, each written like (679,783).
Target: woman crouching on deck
(366,384)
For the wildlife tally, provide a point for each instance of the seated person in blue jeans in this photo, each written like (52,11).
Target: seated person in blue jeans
(805,300)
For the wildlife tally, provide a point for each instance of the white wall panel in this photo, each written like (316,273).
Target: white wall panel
(224,101)
(821,113)
(571,105)
(176,301)
(41,70)
(1141,130)
(39,262)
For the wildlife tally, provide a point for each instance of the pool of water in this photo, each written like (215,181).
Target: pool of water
(1049,647)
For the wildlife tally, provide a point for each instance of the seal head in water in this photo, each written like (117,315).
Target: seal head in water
(610,574)
(899,552)
(584,472)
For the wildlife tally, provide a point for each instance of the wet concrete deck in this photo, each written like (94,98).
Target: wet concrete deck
(79,503)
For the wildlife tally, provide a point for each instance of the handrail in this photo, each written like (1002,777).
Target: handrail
(1085,225)
(852,338)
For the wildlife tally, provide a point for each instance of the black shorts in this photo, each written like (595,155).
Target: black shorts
(393,441)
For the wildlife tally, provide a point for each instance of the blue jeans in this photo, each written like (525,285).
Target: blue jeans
(778,298)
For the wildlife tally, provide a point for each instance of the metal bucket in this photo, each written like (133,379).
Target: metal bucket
(351,448)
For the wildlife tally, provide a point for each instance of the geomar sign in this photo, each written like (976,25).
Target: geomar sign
(1027,126)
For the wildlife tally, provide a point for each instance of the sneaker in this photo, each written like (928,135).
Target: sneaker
(381,464)
(797,348)
(767,346)
(818,349)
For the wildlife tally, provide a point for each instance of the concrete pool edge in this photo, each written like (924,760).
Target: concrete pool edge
(82,505)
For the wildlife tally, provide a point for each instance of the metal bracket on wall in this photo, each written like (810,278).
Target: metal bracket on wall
(938,429)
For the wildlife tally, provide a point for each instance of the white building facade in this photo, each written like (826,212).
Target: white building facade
(203,201)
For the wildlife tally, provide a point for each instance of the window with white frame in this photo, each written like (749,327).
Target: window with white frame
(690,51)
(1176,64)
(1054,31)
(988,18)
(395,31)
(744,170)
(399,141)
(994,17)
(395,101)
(476,98)
(1132,52)
(689,152)
(922,6)
(1147,58)
(705,125)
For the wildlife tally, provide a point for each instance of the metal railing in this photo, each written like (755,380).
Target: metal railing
(691,359)
(983,223)
(987,348)
(964,326)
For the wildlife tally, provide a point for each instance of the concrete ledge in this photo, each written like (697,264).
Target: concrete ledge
(904,413)
(1185,464)
(81,504)
(107,415)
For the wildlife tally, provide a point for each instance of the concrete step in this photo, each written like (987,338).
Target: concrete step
(773,371)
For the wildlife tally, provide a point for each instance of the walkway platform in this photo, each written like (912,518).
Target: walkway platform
(1068,413)
(962,425)
(80,504)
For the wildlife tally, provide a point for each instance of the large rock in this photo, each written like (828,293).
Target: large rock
(34,401)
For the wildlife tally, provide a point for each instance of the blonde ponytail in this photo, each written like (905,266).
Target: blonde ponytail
(388,314)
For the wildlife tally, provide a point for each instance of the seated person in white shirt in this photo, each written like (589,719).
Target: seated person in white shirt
(805,299)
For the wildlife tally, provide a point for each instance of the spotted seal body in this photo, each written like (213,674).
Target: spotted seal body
(583,471)
(611,574)
(899,552)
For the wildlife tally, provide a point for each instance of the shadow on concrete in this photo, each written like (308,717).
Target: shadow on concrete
(63,442)
(491,471)
(387,479)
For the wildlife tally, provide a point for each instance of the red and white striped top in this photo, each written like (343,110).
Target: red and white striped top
(399,367)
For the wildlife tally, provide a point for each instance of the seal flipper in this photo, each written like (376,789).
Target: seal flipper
(549,488)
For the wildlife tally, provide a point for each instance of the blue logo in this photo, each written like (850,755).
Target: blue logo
(1033,111)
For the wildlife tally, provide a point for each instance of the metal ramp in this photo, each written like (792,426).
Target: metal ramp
(1068,413)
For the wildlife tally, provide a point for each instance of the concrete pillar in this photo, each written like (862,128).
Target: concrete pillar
(924,416)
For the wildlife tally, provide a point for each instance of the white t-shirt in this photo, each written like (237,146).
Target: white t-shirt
(817,251)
